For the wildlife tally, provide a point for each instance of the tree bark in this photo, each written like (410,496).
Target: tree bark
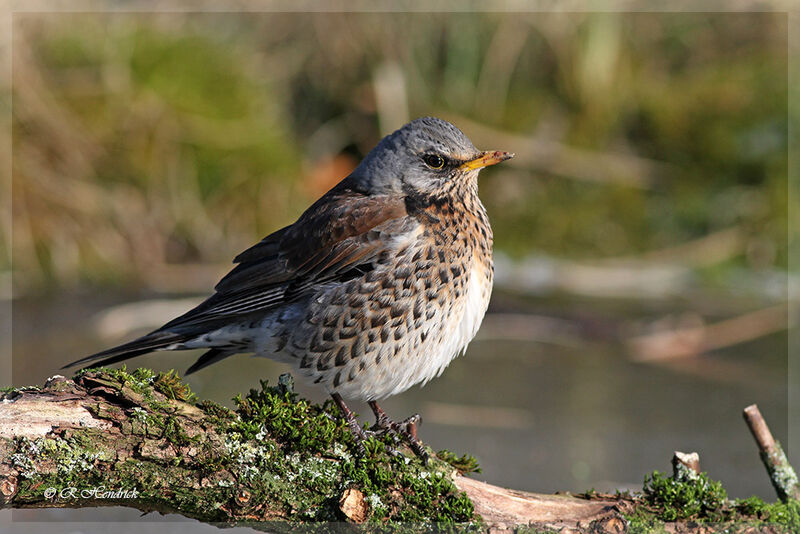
(139,439)
(780,471)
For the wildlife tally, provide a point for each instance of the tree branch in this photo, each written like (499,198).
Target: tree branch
(139,439)
(780,471)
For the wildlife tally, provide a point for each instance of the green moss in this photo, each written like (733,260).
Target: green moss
(464,464)
(403,489)
(276,455)
(216,411)
(73,456)
(296,423)
(171,385)
(698,497)
(176,433)
(643,522)
(139,379)
(146,423)
(280,455)
(173,489)
(311,447)
(785,514)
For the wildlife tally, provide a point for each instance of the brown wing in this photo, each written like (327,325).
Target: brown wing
(340,234)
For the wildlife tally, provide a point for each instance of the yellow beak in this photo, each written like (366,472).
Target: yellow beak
(484,160)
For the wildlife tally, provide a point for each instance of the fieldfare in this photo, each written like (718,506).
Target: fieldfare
(375,288)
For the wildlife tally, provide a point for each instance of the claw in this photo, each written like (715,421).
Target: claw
(411,424)
(405,430)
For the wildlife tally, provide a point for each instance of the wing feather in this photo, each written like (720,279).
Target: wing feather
(342,231)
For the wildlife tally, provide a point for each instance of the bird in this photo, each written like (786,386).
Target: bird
(375,288)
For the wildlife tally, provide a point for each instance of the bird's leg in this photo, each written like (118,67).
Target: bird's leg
(359,435)
(406,430)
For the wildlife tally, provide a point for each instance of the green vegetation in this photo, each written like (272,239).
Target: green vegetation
(464,464)
(314,449)
(277,455)
(697,498)
(298,424)
(275,452)
(142,141)
(171,385)
(703,500)
(786,514)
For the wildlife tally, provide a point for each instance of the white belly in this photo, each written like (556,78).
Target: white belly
(466,324)
(444,341)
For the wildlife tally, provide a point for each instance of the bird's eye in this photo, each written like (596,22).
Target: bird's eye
(434,161)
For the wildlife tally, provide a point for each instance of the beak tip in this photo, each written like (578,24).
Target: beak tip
(500,155)
(491,157)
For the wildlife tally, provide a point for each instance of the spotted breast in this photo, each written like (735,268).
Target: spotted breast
(402,321)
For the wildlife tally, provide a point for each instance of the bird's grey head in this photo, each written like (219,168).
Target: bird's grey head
(424,156)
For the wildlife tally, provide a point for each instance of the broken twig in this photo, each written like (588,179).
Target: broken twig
(778,467)
(685,466)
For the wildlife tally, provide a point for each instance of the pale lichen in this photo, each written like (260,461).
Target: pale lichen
(276,456)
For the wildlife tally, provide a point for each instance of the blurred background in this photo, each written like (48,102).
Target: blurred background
(641,248)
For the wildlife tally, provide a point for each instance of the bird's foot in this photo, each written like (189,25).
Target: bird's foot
(405,430)
(360,435)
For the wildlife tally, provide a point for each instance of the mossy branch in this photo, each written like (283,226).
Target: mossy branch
(141,439)
(780,471)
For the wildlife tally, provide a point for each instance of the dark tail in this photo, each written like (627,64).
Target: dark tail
(149,343)
(208,358)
